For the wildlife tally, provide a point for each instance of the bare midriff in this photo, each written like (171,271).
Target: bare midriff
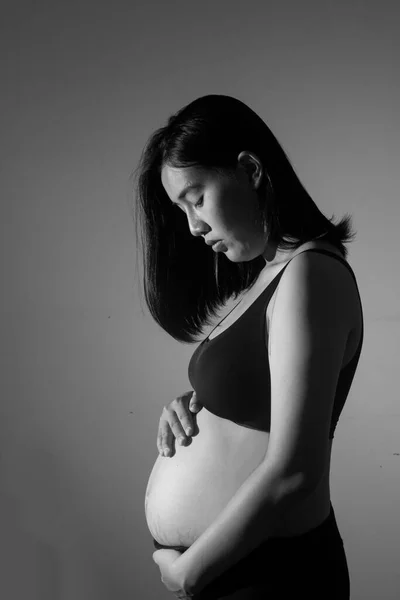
(186,492)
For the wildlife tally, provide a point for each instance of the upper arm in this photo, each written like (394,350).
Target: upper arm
(308,334)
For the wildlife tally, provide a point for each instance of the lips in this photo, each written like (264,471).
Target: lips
(218,245)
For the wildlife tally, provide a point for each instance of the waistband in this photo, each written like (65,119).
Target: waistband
(328,528)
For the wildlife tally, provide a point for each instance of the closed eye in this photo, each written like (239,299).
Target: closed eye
(199,203)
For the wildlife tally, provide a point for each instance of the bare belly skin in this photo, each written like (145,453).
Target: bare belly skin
(186,493)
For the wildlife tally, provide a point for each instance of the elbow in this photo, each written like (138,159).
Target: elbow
(290,490)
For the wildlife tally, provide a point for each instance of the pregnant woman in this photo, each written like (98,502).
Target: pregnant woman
(242,509)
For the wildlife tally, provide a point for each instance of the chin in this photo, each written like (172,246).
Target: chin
(237,257)
(243,259)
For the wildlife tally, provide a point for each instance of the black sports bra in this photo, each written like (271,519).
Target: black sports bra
(230,373)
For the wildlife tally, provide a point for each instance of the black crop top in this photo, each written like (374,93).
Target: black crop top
(230,373)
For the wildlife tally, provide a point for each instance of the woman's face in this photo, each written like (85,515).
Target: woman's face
(221,207)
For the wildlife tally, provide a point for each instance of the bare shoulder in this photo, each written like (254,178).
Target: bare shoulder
(316,273)
(325,283)
(321,279)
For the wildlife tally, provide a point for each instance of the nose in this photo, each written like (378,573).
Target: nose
(197,232)
(196,227)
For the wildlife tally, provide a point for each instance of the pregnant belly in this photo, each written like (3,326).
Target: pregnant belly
(186,493)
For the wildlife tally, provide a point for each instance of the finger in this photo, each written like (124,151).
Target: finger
(166,441)
(186,418)
(194,405)
(179,422)
(165,437)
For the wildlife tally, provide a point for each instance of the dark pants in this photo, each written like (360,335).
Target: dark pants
(312,566)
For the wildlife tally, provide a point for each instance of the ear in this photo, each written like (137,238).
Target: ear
(252,166)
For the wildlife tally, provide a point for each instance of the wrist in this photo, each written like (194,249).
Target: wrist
(182,577)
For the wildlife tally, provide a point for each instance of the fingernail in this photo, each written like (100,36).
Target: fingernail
(188,431)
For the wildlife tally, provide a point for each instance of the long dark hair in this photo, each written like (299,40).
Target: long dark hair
(184,283)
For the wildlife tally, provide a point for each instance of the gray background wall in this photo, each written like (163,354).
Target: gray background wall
(85,370)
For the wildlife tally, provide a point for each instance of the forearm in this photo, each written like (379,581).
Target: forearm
(249,518)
